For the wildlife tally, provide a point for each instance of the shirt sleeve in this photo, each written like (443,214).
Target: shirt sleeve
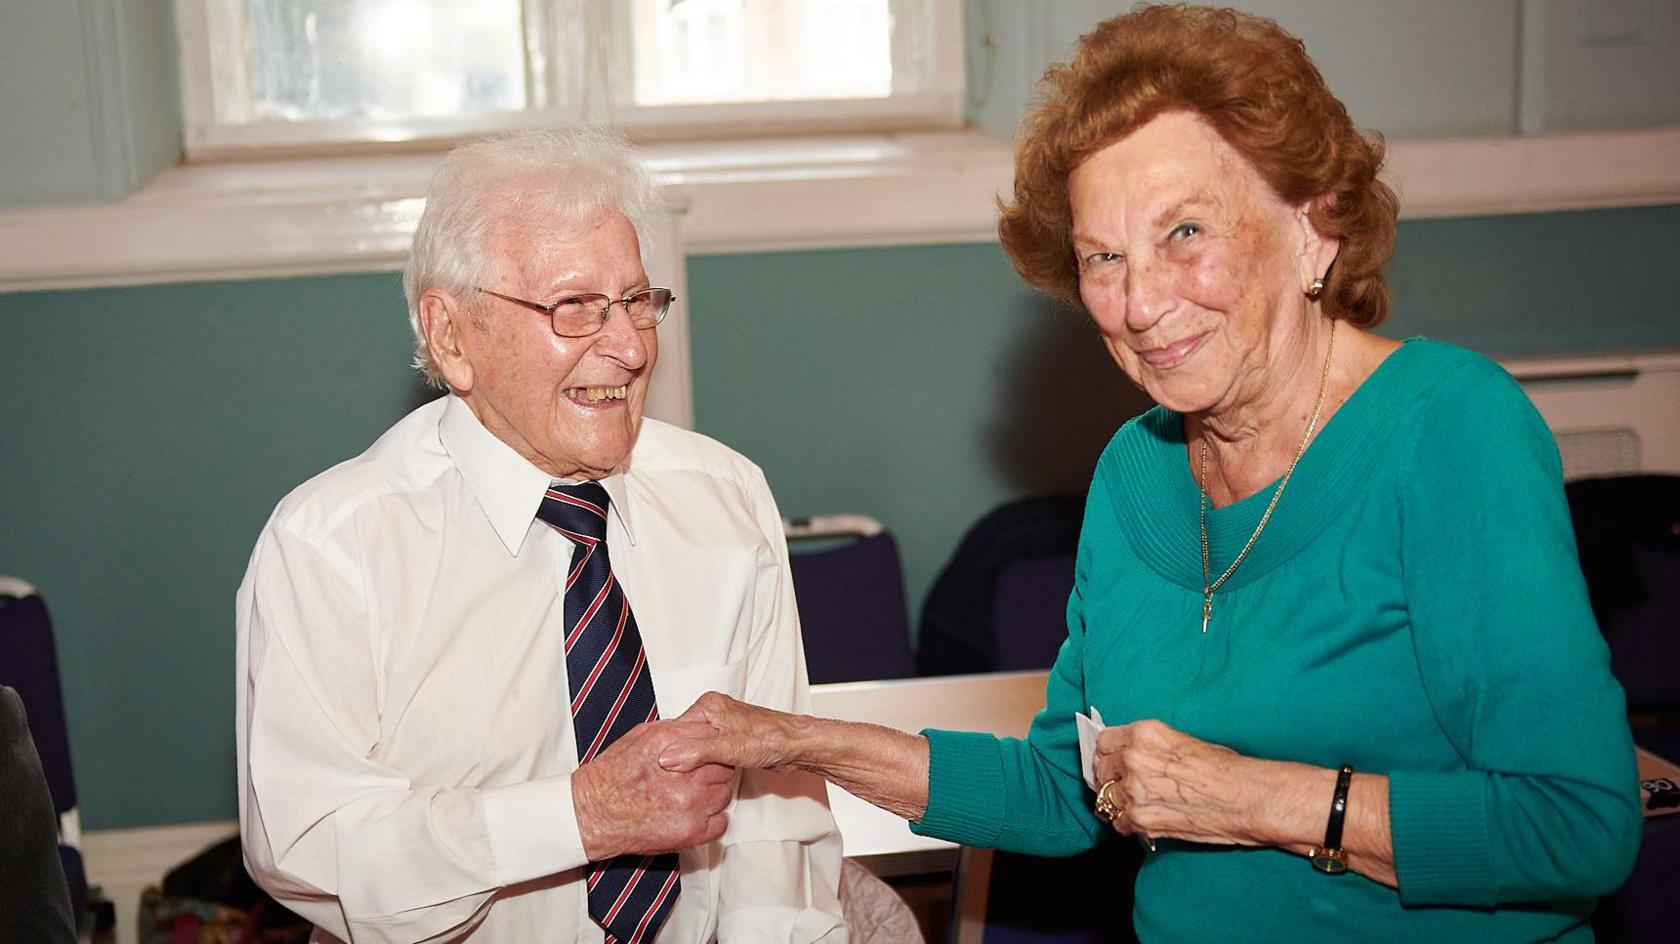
(1025,795)
(1545,804)
(780,874)
(340,838)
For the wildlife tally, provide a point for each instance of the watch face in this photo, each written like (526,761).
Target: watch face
(1331,861)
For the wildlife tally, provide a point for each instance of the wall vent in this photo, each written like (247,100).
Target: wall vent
(1590,453)
(1612,415)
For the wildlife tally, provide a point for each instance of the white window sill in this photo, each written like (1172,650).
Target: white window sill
(356,214)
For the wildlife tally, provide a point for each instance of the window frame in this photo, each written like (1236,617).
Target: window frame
(935,100)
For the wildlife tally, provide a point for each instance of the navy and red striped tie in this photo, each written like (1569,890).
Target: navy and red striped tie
(612,691)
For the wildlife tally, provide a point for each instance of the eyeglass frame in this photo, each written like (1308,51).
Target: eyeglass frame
(605,311)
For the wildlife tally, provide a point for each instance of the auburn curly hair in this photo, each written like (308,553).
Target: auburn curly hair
(1249,79)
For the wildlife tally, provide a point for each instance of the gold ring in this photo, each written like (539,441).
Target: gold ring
(1107,811)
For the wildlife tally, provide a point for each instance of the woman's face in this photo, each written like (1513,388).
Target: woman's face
(1193,269)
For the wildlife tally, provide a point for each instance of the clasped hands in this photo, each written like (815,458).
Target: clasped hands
(628,802)
(665,785)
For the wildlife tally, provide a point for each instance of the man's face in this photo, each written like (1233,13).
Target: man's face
(572,406)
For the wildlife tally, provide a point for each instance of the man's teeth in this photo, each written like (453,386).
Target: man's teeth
(592,394)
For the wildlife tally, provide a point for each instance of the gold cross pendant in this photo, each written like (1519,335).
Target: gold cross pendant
(1207,612)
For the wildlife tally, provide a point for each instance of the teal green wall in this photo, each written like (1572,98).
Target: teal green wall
(147,431)
(146,434)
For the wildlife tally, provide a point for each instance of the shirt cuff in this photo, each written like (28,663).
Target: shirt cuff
(965,789)
(1442,847)
(533,829)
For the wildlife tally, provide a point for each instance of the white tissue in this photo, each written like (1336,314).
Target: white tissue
(1088,729)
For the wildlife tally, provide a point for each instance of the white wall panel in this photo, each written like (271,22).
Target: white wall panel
(1597,64)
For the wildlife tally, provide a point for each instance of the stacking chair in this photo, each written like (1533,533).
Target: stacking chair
(850,587)
(29,663)
(1011,898)
(1029,611)
(1627,530)
(1000,603)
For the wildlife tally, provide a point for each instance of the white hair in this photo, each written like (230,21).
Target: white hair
(575,172)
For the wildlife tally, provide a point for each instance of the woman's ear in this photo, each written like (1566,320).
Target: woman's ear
(443,323)
(1318,251)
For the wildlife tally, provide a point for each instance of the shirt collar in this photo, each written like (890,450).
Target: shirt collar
(509,489)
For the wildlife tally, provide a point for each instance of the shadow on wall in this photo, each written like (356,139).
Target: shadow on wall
(420,393)
(1061,397)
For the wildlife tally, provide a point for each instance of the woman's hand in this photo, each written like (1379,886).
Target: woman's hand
(876,764)
(747,736)
(1169,784)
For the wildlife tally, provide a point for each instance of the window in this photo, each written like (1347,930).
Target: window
(290,74)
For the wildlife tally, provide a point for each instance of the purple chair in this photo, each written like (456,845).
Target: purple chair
(851,600)
(1029,611)
(1012,898)
(1644,909)
(29,663)
(1627,530)
(999,564)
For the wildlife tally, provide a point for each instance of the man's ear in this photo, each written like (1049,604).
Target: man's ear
(443,322)
(1318,251)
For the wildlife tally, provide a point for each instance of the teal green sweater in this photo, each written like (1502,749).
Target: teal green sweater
(1414,608)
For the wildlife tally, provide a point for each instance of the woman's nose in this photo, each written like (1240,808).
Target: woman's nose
(1149,294)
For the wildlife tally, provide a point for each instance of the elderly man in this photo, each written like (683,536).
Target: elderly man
(455,649)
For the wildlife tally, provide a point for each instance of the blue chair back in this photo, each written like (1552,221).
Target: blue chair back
(851,610)
(1645,910)
(1012,898)
(29,663)
(1029,611)
(1627,530)
(959,634)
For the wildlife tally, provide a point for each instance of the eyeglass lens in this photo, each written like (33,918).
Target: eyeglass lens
(585,314)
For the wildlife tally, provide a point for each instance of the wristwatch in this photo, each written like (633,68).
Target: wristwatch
(1329,857)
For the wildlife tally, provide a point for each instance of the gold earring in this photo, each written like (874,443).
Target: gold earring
(1316,290)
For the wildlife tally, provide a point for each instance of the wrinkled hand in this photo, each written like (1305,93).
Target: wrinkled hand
(627,803)
(737,734)
(1173,785)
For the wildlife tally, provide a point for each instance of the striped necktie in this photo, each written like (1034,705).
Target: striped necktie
(612,691)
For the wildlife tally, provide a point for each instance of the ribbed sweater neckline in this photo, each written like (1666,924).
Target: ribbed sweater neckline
(1156,498)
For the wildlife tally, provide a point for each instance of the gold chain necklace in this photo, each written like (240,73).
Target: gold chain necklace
(1201,486)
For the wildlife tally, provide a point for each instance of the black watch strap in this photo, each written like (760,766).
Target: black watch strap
(1329,857)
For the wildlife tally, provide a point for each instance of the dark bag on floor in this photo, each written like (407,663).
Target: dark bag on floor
(211,900)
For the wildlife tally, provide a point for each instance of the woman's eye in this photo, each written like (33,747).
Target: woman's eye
(1186,230)
(1098,258)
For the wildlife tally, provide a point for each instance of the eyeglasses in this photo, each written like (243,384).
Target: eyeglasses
(579,316)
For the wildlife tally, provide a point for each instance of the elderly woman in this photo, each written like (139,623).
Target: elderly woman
(1326,592)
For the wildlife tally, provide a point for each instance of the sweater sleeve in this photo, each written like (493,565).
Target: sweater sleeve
(1025,795)
(1544,803)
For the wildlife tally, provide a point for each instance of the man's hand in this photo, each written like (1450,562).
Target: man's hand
(627,803)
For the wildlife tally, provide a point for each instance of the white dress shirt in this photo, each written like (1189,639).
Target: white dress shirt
(405,745)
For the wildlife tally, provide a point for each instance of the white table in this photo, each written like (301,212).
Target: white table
(1001,703)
